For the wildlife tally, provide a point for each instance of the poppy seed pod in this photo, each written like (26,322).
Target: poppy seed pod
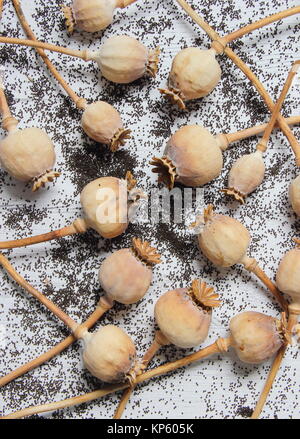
(107,202)
(123,59)
(256,336)
(126,274)
(288,277)
(246,174)
(28,155)
(223,239)
(194,74)
(294,195)
(109,354)
(192,157)
(102,123)
(91,15)
(184,314)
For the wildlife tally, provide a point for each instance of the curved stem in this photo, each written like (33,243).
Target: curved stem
(253,131)
(158,342)
(221,345)
(262,144)
(251,265)
(260,23)
(60,314)
(101,309)
(77,226)
(83,54)
(199,20)
(79,102)
(247,71)
(293,318)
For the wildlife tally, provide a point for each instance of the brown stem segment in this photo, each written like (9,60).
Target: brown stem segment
(78,226)
(83,54)
(262,145)
(220,346)
(224,140)
(9,123)
(35,293)
(293,319)
(219,47)
(103,306)
(251,265)
(1,8)
(79,102)
(159,341)
(260,23)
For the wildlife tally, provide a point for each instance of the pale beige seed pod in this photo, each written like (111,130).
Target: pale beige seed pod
(109,354)
(126,274)
(194,74)
(28,155)
(192,157)
(288,276)
(103,123)
(246,174)
(107,202)
(256,336)
(92,15)
(184,314)
(223,240)
(123,59)
(294,195)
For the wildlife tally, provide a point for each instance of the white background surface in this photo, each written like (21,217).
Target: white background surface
(67,271)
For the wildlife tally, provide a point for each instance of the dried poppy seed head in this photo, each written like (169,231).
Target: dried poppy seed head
(126,274)
(184,314)
(194,74)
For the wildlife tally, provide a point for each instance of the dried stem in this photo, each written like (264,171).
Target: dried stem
(159,341)
(9,123)
(293,318)
(247,71)
(60,314)
(1,8)
(253,131)
(220,346)
(83,54)
(262,144)
(251,265)
(260,23)
(79,102)
(78,226)
(102,307)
